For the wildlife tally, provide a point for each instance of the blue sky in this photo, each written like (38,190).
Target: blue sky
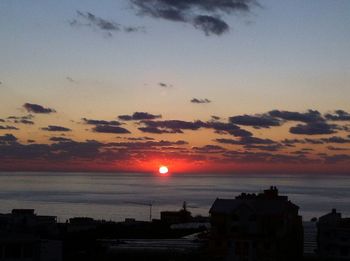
(287,55)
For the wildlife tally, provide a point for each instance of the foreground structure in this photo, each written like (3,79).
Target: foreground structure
(263,226)
(333,237)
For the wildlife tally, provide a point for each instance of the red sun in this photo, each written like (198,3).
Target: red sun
(163,170)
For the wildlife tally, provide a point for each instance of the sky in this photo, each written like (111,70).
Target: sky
(236,86)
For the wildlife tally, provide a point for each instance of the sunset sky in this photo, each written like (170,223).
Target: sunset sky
(237,86)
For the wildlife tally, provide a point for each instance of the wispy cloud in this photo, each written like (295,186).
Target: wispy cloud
(107,26)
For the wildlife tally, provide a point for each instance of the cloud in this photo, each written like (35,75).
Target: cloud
(227,128)
(257,121)
(7,138)
(209,149)
(247,141)
(36,108)
(178,126)
(333,139)
(336,139)
(309,116)
(337,148)
(170,126)
(336,158)
(210,25)
(204,15)
(60,139)
(110,129)
(100,122)
(339,115)
(139,138)
(314,128)
(273,147)
(22,119)
(156,130)
(195,100)
(164,85)
(138,116)
(253,143)
(71,80)
(7,127)
(90,20)
(56,128)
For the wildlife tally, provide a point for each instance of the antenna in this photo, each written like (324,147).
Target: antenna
(143,204)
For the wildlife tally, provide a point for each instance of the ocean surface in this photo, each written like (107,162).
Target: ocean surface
(116,196)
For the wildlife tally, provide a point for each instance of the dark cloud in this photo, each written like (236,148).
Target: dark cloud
(138,116)
(337,148)
(195,100)
(36,108)
(209,149)
(336,158)
(247,141)
(336,139)
(156,130)
(90,20)
(56,128)
(264,157)
(22,119)
(215,118)
(227,128)
(147,144)
(309,116)
(7,127)
(314,128)
(7,138)
(210,25)
(204,15)
(257,121)
(110,129)
(171,126)
(339,115)
(164,85)
(178,126)
(313,141)
(272,147)
(60,139)
(1,120)
(139,138)
(100,122)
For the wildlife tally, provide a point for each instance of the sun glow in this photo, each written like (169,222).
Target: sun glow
(163,170)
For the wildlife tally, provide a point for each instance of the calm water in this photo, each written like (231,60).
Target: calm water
(119,196)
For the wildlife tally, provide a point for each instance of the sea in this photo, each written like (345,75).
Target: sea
(117,196)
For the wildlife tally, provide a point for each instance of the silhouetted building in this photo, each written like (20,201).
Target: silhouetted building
(25,220)
(261,227)
(25,236)
(176,217)
(333,237)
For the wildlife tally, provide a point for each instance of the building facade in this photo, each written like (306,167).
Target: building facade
(264,227)
(333,237)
